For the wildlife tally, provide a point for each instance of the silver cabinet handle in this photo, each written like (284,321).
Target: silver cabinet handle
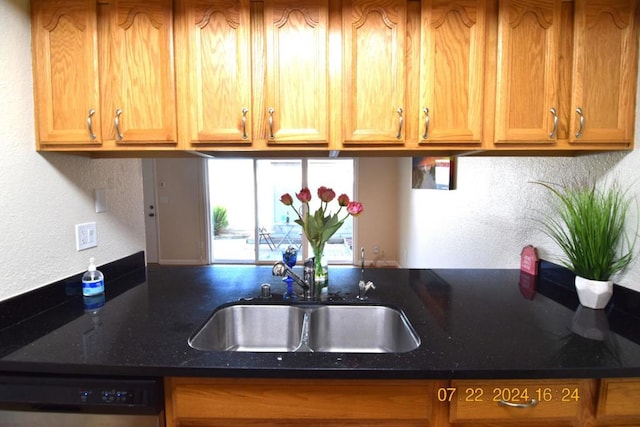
(581,128)
(426,123)
(116,122)
(529,404)
(90,124)
(552,135)
(400,121)
(244,123)
(271,111)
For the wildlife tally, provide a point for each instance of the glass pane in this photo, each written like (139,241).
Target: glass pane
(231,189)
(338,175)
(275,221)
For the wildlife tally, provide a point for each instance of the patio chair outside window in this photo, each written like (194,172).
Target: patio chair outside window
(265,237)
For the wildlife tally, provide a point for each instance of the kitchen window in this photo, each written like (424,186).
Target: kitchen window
(248,222)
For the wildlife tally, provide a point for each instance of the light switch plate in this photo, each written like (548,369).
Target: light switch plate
(86,236)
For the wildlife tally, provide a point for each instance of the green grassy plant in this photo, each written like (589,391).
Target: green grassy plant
(220,221)
(588,224)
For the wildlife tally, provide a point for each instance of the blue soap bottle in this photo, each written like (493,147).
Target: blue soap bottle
(92,280)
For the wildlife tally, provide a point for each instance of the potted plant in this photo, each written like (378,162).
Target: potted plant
(588,224)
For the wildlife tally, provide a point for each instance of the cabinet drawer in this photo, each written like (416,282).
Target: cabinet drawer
(519,399)
(395,401)
(619,399)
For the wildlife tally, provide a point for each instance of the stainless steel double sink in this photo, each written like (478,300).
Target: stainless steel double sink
(343,328)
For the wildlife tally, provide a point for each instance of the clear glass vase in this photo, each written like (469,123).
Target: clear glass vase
(321,269)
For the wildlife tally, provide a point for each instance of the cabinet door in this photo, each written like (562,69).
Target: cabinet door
(374,79)
(65,72)
(308,402)
(527,70)
(452,72)
(604,74)
(297,84)
(140,92)
(213,48)
(552,402)
(618,401)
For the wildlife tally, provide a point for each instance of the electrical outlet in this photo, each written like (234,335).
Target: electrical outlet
(376,250)
(86,236)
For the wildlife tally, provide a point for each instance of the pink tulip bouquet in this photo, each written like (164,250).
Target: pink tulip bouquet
(320,225)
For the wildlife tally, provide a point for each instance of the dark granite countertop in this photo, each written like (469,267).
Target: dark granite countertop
(472,323)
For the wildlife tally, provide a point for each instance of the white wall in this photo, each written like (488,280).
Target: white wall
(378,224)
(42,196)
(489,218)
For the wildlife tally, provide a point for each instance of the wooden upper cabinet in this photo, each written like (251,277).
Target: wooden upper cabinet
(139,84)
(335,74)
(452,70)
(213,57)
(527,70)
(604,71)
(65,54)
(296,94)
(374,79)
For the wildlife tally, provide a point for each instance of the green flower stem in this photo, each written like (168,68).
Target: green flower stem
(320,275)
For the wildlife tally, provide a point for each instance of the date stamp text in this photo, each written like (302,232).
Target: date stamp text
(509,394)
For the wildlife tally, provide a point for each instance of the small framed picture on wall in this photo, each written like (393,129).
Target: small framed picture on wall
(432,173)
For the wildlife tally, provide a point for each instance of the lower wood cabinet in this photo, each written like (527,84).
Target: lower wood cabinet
(619,402)
(275,402)
(520,402)
(427,403)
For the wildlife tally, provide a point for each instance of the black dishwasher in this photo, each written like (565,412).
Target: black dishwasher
(71,401)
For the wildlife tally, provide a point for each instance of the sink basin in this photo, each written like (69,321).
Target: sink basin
(243,327)
(306,328)
(361,329)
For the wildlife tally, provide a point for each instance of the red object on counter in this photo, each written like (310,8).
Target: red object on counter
(529,260)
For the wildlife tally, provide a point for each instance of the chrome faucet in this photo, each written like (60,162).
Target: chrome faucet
(308,284)
(363,286)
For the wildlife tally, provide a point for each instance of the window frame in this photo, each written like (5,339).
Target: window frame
(305,253)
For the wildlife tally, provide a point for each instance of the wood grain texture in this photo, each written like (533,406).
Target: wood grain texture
(213,56)
(297,71)
(374,78)
(605,69)
(477,401)
(618,401)
(336,72)
(142,70)
(452,73)
(65,71)
(527,70)
(302,402)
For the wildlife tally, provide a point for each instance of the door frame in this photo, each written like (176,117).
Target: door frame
(150,208)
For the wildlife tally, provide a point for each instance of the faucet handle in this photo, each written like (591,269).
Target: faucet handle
(279,269)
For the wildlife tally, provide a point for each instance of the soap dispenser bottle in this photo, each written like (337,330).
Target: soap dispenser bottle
(92,280)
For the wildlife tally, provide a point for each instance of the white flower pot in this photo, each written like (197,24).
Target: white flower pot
(594,293)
